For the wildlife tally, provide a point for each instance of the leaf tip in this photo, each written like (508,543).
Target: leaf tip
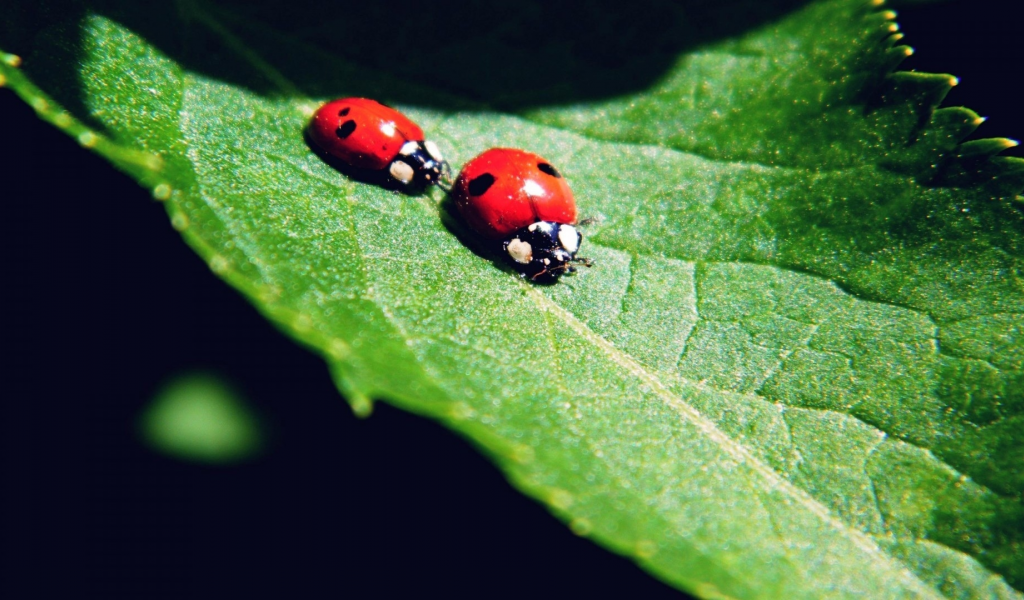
(179,221)
(362,406)
(709,591)
(86,139)
(162,191)
(338,349)
(63,120)
(302,324)
(560,499)
(581,527)
(218,264)
(986,147)
(39,104)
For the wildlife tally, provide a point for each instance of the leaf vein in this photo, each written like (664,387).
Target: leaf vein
(736,451)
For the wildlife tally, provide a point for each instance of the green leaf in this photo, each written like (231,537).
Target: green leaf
(797,366)
(199,417)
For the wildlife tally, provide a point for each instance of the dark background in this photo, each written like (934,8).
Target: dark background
(103,303)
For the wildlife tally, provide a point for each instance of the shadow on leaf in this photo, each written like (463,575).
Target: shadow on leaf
(513,56)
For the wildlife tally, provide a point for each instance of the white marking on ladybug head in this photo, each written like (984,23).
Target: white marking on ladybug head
(388,128)
(433,150)
(408,148)
(542,225)
(569,237)
(401,171)
(520,251)
(532,188)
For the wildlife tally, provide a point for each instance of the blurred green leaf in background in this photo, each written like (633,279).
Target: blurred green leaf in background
(200,417)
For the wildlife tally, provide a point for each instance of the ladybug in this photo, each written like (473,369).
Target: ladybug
(367,135)
(519,199)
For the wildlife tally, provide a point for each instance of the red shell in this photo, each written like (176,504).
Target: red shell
(522,193)
(376,135)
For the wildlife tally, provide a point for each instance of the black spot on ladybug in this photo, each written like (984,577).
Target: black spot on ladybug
(346,129)
(344,111)
(548,169)
(480,184)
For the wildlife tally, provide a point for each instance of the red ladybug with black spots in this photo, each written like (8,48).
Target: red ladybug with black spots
(365,134)
(520,199)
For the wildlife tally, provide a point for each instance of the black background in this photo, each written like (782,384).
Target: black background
(103,302)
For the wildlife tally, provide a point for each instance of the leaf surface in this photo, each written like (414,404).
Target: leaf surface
(797,368)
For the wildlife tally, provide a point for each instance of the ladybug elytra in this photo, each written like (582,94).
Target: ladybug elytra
(367,135)
(520,199)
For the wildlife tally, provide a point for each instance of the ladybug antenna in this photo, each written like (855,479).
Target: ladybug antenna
(564,268)
(446,177)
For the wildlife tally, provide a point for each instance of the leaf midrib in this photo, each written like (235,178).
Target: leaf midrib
(735,450)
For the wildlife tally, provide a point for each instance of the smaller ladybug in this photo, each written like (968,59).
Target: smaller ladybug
(518,199)
(365,134)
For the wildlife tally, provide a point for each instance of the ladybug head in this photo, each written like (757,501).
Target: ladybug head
(545,250)
(418,165)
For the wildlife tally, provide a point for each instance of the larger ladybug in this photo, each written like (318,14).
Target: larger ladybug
(519,199)
(367,135)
